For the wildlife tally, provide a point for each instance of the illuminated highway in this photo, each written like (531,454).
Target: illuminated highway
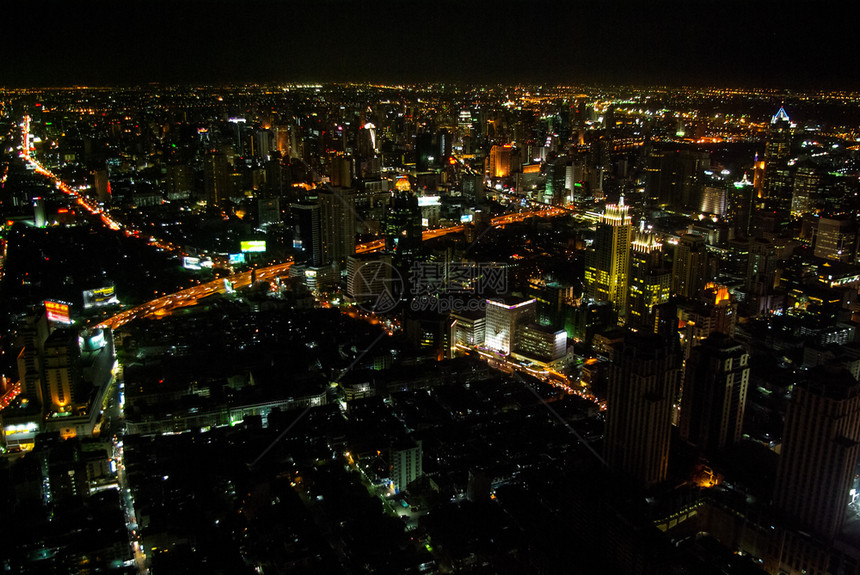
(166,304)
(88,204)
(376,245)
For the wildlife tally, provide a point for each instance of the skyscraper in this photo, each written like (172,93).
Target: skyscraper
(691,269)
(499,163)
(402,225)
(306,234)
(820,446)
(337,224)
(777,152)
(807,191)
(672,175)
(715,391)
(62,371)
(643,381)
(650,280)
(607,262)
(216,178)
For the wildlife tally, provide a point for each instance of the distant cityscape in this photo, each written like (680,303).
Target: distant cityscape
(365,328)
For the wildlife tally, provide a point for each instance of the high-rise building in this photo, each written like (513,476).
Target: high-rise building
(269,210)
(835,239)
(502,321)
(650,281)
(34,334)
(406,464)
(692,267)
(466,328)
(643,381)
(307,231)
(369,277)
(607,262)
(763,267)
(672,176)
(541,342)
(556,171)
(716,380)
(341,171)
(820,446)
(101,185)
(777,172)
(337,224)
(178,181)
(714,311)
(741,201)
(402,225)
(807,192)
(216,178)
(61,358)
(499,162)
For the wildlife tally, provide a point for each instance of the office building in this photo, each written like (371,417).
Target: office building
(835,239)
(541,343)
(216,178)
(607,261)
(820,446)
(61,366)
(337,224)
(808,191)
(672,176)
(778,182)
(307,231)
(714,311)
(269,210)
(503,320)
(716,379)
(643,381)
(466,329)
(402,225)
(369,277)
(692,267)
(500,161)
(650,280)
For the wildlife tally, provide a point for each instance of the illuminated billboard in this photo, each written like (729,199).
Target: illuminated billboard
(100,297)
(191,263)
(253,246)
(429,201)
(236,259)
(58,311)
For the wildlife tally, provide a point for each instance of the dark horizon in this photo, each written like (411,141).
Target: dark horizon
(671,43)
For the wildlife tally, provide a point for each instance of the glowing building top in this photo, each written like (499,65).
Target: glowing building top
(780,116)
(616,215)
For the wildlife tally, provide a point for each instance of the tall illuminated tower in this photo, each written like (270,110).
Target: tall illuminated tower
(643,382)
(778,182)
(820,446)
(650,282)
(607,263)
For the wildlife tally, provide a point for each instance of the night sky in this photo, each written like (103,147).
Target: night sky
(753,43)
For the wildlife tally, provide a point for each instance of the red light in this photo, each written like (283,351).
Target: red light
(62,211)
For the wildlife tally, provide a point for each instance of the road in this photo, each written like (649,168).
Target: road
(166,304)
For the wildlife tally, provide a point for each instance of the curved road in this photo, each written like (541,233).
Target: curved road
(190,296)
